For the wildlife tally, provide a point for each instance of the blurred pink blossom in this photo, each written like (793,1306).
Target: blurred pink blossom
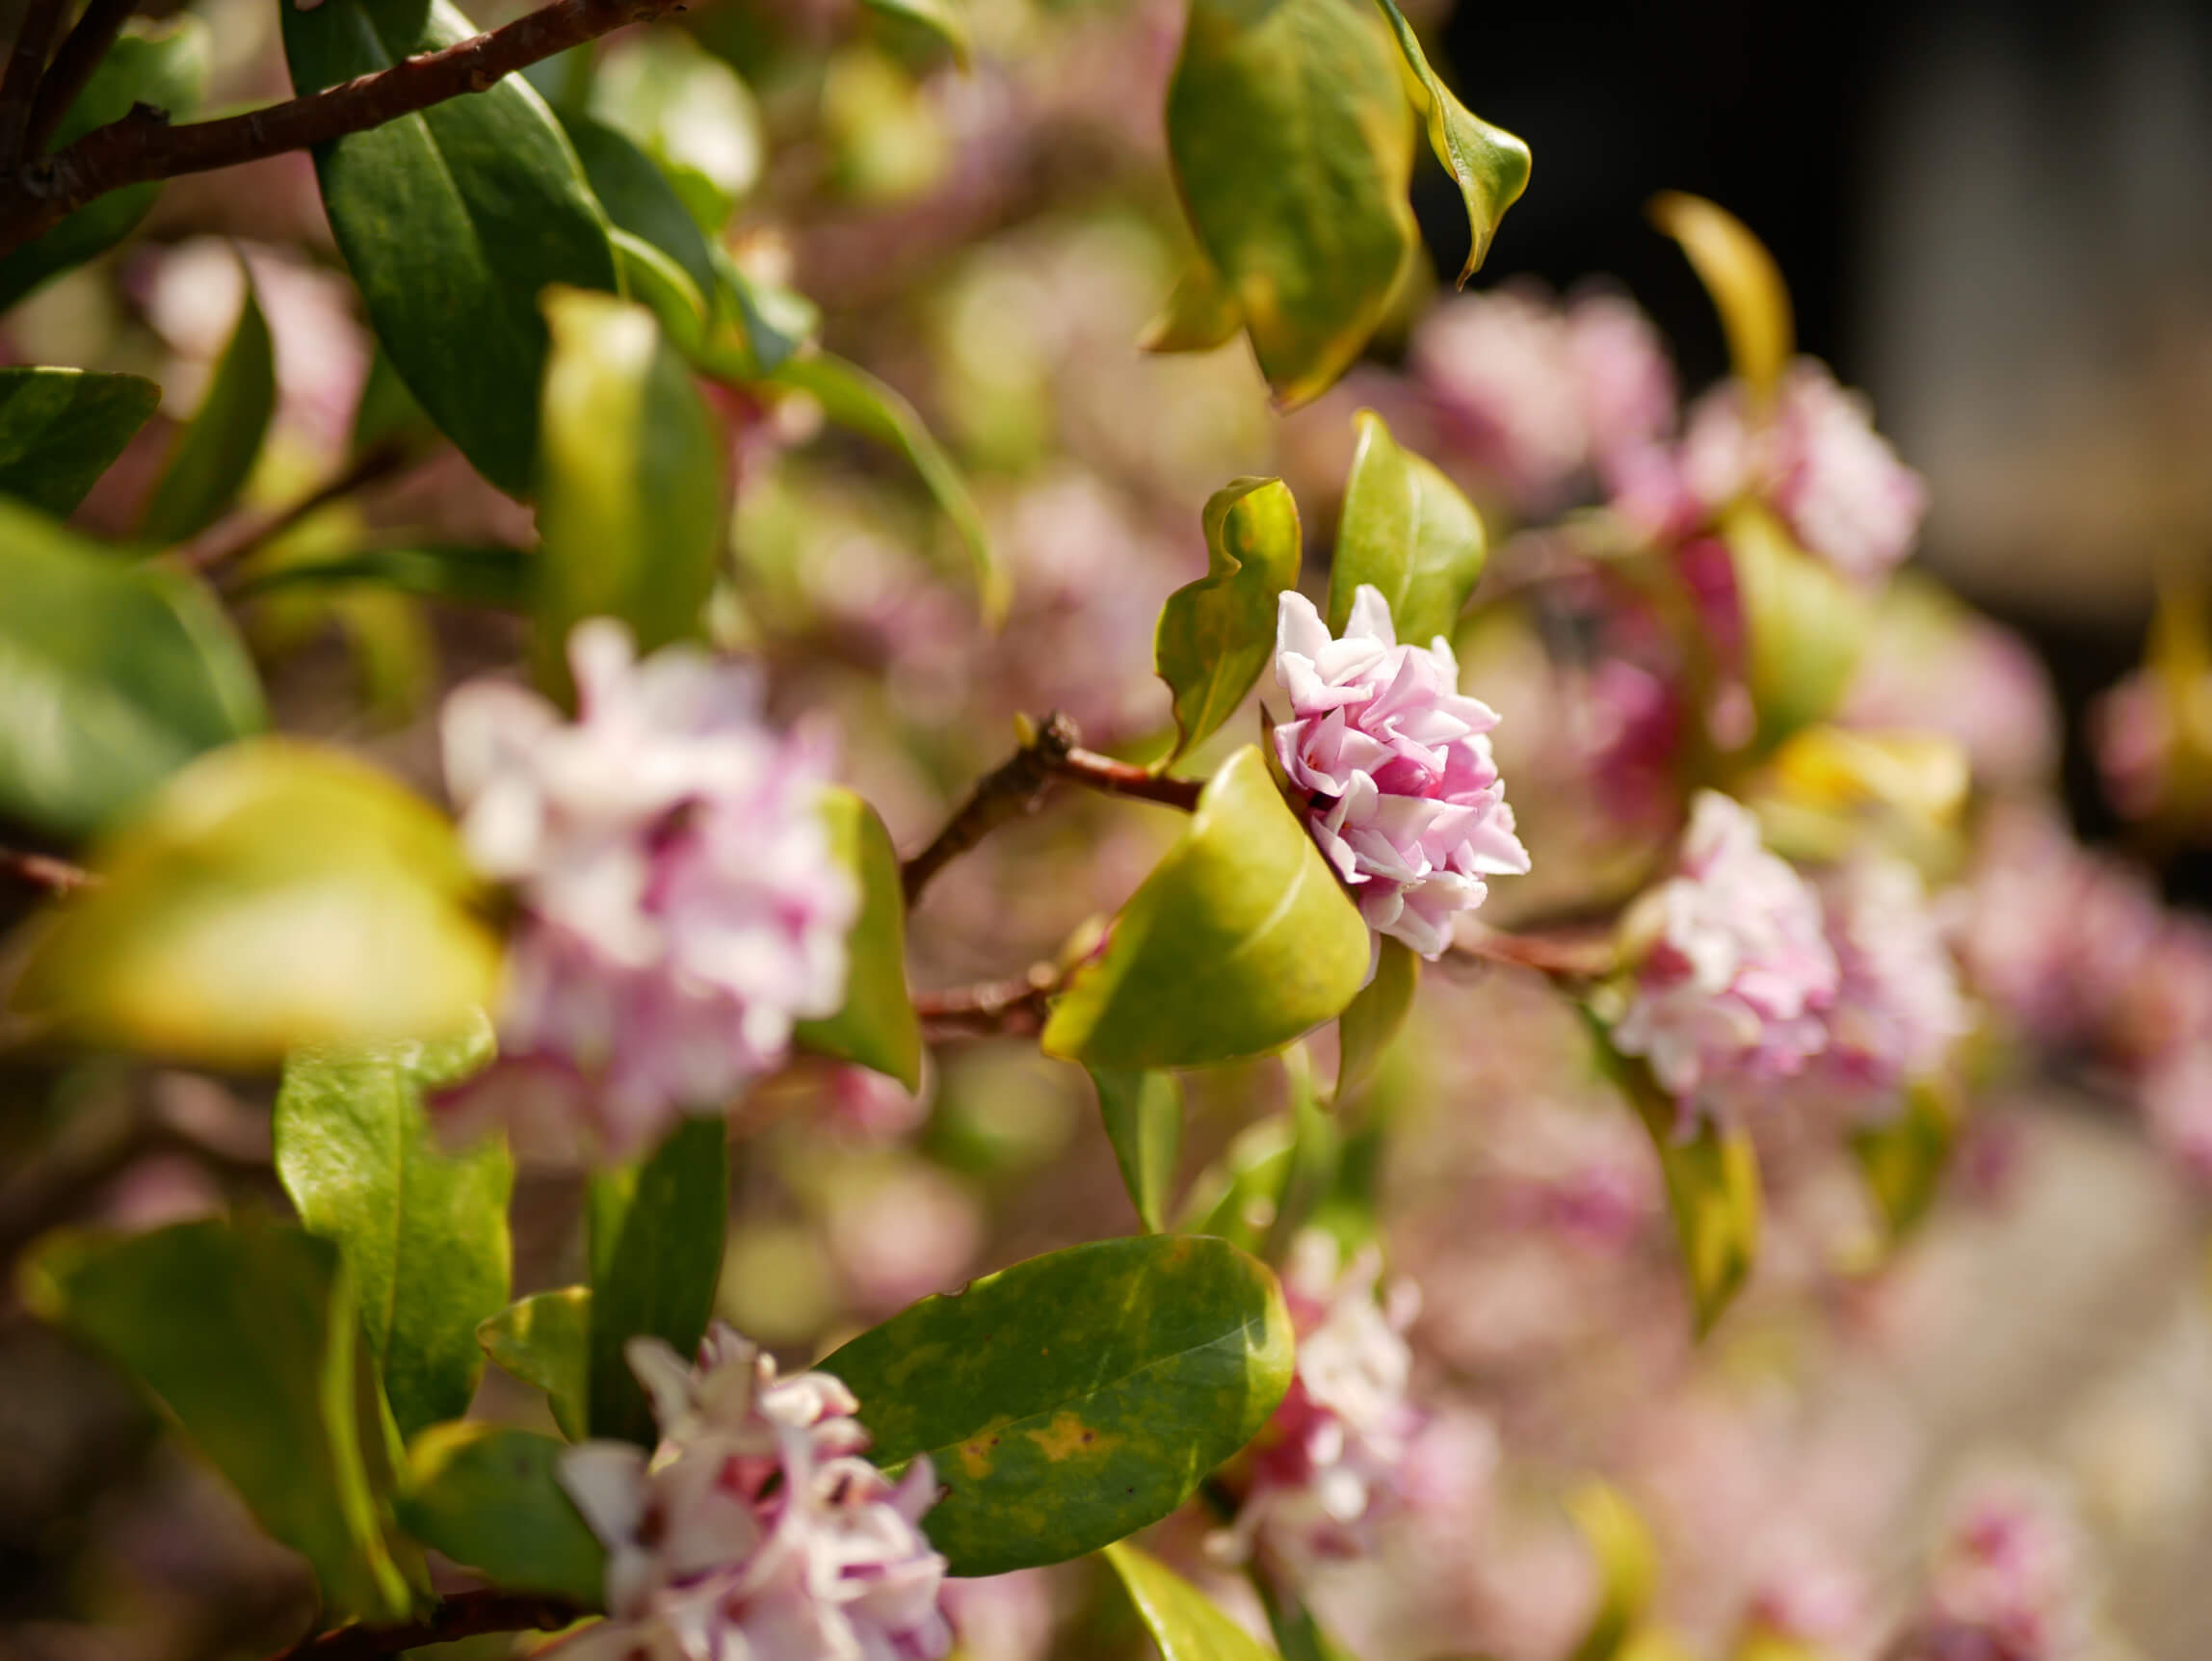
(1634,735)
(2009,1572)
(1966,677)
(2177,1107)
(1732,988)
(2132,736)
(1407,800)
(1898,1006)
(680,905)
(755,1529)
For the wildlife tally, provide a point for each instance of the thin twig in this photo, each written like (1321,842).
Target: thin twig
(46,870)
(26,62)
(73,65)
(463,1615)
(1573,957)
(234,537)
(40,193)
(1013,1008)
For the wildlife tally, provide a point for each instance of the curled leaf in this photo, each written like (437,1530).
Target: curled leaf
(1216,635)
(1488,164)
(1742,278)
(1408,530)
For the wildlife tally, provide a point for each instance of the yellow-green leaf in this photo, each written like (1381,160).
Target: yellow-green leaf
(1200,313)
(1903,1159)
(1144,1116)
(877,1026)
(1373,1018)
(1407,530)
(1744,281)
(1627,1568)
(544,1339)
(1804,626)
(947,19)
(1184,1622)
(1238,942)
(1216,635)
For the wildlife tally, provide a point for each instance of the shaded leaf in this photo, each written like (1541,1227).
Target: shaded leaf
(656,1238)
(388,413)
(1200,314)
(1143,1115)
(1183,1620)
(631,482)
(1805,624)
(1309,1172)
(772,325)
(273,894)
(1238,1197)
(1238,942)
(61,428)
(1292,146)
(216,451)
(244,1332)
(1297,1635)
(1744,281)
(637,194)
(1366,1028)
(489,1497)
(500,579)
(1407,530)
(164,64)
(946,20)
(423,1233)
(1488,164)
(1216,635)
(453,221)
(1076,1397)
(112,675)
(1902,1160)
(545,1339)
(877,1026)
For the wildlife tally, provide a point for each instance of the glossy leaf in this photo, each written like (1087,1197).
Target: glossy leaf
(1902,1160)
(1488,164)
(1184,1622)
(1238,942)
(244,1332)
(1216,635)
(1627,1569)
(1744,281)
(878,1027)
(216,451)
(946,20)
(1407,530)
(500,579)
(637,194)
(1292,146)
(1076,1397)
(656,1236)
(112,675)
(453,221)
(1364,1031)
(61,428)
(631,482)
(688,110)
(1804,626)
(273,894)
(1143,1115)
(489,1497)
(164,64)
(545,1339)
(852,398)
(422,1231)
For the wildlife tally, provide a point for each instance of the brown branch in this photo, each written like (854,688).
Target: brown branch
(463,1615)
(237,535)
(1013,1008)
(1581,956)
(45,871)
(73,65)
(38,193)
(26,62)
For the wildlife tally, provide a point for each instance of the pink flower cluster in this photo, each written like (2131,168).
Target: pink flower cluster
(1339,1445)
(680,904)
(2008,1583)
(1898,1006)
(754,1531)
(1407,801)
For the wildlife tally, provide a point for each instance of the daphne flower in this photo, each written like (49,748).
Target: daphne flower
(1730,993)
(680,905)
(1407,801)
(2011,1574)
(754,1530)
(1898,1006)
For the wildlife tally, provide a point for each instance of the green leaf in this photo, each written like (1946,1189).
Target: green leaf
(688,110)
(1366,1028)
(1407,530)
(489,1497)
(1238,942)
(1292,146)
(1741,276)
(423,1233)
(1627,1569)
(1297,1635)
(1143,1115)
(1238,1197)
(161,65)
(545,1339)
(61,428)
(854,398)
(273,894)
(773,326)
(1488,164)
(1183,1620)
(1902,1160)
(656,1232)
(1309,1172)
(388,413)
(216,452)
(946,20)
(1076,1397)
(498,579)
(1712,1180)
(637,194)
(631,482)
(244,1330)
(1200,313)
(1804,626)
(878,1027)
(453,221)
(112,675)
(1216,635)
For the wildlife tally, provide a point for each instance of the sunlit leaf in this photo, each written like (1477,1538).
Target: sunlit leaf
(273,894)
(545,1339)
(686,109)
(1184,1622)
(489,1497)
(1076,1397)
(1238,942)
(1627,1569)
(1741,276)
(216,451)
(1143,1115)
(946,20)
(878,1027)
(1805,624)
(61,428)
(1292,146)
(1200,314)
(1367,1026)
(1216,635)
(1408,530)
(661,285)
(1488,164)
